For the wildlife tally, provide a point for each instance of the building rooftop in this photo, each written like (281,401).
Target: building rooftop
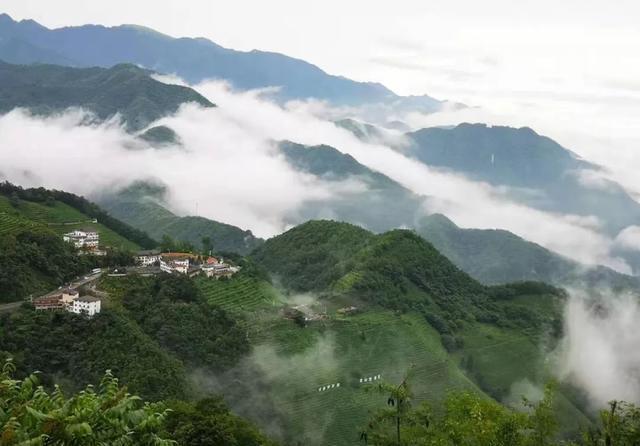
(88,299)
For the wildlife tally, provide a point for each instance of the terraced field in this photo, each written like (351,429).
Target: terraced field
(299,361)
(61,218)
(11,224)
(239,293)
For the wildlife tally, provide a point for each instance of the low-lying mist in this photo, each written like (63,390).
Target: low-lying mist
(599,351)
(229,168)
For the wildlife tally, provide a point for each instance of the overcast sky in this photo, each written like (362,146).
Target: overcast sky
(569,69)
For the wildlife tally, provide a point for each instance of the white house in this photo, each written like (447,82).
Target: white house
(176,265)
(83,239)
(217,268)
(86,305)
(148,258)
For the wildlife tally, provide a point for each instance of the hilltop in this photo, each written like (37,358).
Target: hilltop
(490,256)
(141,206)
(122,89)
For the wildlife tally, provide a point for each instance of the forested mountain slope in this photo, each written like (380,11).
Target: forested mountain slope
(122,89)
(140,205)
(537,170)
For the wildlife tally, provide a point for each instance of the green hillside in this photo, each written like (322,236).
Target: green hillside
(61,218)
(490,338)
(141,206)
(33,257)
(122,89)
(413,312)
(490,256)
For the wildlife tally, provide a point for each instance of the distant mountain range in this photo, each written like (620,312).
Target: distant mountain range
(490,256)
(122,89)
(535,170)
(194,60)
(538,171)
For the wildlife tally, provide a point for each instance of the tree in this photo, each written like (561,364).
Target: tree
(468,419)
(210,423)
(620,426)
(31,416)
(207,245)
(399,405)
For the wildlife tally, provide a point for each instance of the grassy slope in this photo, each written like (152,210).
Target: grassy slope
(239,293)
(55,218)
(290,363)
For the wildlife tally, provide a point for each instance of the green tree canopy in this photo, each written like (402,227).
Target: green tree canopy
(30,416)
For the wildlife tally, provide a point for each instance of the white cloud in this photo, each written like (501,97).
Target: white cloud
(234,176)
(629,238)
(231,169)
(599,351)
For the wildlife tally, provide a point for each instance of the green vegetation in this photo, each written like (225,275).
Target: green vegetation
(468,419)
(397,270)
(241,293)
(141,206)
(106,415)
(33,257)
(173,312)
(209,423)
(123,89)
(276,350)
(36,262)
(496,256)
(73,350)
(64,212)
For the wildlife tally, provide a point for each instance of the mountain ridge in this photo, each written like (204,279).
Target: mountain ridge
(197,59)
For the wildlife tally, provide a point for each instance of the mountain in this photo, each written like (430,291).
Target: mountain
(399,271)
(192,59)
(495,256)
(490,256)
(141,206)
(367,198)
(122,89)
(536,170)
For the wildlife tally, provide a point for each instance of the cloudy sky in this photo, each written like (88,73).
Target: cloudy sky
(458,49)
(568,69)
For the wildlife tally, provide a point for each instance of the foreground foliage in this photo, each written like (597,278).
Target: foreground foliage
(472,420)
(107,416)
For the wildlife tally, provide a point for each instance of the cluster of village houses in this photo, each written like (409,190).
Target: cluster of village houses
(186,263)
(88,241)
(69,300)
